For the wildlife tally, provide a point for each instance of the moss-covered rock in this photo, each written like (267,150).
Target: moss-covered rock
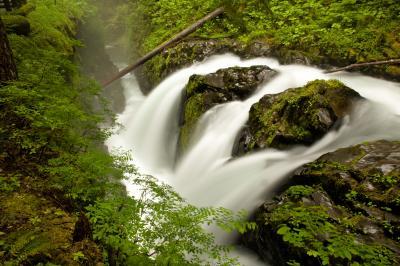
(196,50)
(296,116)
(17,24)
(33,229)
(204,92)
(183,54)
(340,209)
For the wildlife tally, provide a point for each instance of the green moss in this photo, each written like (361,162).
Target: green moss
(16,24)
(194,109)
(294,116)
(297,192)
(26,9)
(194,85)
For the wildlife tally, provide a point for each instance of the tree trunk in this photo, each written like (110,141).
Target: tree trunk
(8,69)
(161,47)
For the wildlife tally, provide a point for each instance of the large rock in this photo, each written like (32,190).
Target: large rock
(204,92)
(296,116)
(195,50)
(340,209)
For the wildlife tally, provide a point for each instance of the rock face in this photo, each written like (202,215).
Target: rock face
(340,209)
(204,92)
(194,50)
(296,116)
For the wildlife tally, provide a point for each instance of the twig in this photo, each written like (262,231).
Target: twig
(390,61)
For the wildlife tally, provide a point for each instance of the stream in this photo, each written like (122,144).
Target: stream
(206,175)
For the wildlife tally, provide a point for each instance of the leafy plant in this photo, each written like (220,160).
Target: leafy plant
(158,226)
(310,228)
(9,183)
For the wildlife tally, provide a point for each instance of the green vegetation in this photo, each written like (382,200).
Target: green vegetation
(165,229)
(333,32)
(312,229)
(194,109)
(54,169)
(337,210)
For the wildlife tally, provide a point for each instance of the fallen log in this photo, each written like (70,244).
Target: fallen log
(161,47)
(384,62)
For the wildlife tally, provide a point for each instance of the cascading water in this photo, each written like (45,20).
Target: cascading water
(205,175)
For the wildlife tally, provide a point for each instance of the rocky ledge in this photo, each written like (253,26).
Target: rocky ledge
(193,50)
(342,209)
(205,91)
(296,116)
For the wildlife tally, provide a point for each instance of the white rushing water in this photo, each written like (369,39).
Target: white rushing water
(205,175)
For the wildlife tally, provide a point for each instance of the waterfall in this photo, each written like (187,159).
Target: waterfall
(206,175)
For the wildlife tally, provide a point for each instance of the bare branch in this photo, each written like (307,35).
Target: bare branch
(385,62)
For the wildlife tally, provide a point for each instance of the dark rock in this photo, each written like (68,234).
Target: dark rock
(183,54)
(82,229)
(287,57)
(341,202)
(204,92)
(195,50)
(296,116)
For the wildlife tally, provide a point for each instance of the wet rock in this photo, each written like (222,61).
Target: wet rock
(287,57)
(340,209)
(183,54)
(204,92)
(297,116)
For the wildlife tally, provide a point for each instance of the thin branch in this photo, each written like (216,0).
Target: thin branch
(385,62)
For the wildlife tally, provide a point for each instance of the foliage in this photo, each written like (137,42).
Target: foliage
(311,228)
(335,31)
(297,192)
(49,130)
(158,227)
(9,183)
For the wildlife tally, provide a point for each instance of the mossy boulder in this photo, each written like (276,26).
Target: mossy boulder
(34,229)
(204,92)
(17,24)
(296,116)
(341,209)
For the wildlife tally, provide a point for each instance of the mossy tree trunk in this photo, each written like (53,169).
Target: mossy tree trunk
(8,69)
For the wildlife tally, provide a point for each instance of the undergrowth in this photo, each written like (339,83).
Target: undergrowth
(52,157)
